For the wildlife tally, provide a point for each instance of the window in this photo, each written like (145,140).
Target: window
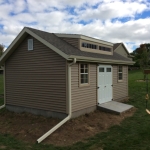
(30,44)
(101,69)
(108,69)
(104,48)
(88,45)
(84,73)
(120,73)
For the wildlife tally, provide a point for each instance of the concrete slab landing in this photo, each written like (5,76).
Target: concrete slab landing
(114,107)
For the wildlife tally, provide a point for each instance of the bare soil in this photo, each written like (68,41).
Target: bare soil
(29,128)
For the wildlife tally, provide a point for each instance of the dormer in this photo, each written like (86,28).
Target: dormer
(88,44)
(122,50)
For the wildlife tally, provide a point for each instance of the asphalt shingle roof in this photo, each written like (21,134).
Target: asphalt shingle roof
(116,45)
(71,50)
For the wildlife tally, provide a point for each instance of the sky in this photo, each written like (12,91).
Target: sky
(126,21)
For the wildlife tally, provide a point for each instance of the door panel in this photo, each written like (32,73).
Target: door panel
(104,83)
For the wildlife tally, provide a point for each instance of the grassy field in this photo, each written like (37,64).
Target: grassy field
(132,134)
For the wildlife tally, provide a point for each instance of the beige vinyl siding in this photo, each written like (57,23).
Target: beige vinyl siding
(86,96)
(121,50)
(37,78)
(120,89)
(73,41)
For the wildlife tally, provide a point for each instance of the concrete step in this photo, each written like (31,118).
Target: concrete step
(114,107)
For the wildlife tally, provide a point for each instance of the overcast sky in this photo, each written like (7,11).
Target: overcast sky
(126,21)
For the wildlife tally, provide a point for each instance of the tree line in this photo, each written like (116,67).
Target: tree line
(1,49)
(142,55)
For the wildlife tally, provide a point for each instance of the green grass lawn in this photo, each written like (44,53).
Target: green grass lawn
(132,134)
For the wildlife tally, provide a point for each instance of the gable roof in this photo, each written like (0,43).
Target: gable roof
(116,45)
(63,48)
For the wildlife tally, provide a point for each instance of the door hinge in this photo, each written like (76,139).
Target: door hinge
(98,87)
(112,85)
(112,99)
(98,103)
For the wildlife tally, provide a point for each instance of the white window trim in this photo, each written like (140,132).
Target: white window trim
(120,72)
(84,84)
(30,49)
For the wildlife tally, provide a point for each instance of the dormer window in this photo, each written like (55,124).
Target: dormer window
(96,47)
(88,45)
(30,44)
(84,44)
(104,48)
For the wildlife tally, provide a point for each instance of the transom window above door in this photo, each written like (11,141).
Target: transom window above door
(101,69)
(108,69)
(84,74)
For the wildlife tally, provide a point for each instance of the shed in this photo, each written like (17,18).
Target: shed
(52,74)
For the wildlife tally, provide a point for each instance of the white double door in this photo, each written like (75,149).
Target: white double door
(104,83)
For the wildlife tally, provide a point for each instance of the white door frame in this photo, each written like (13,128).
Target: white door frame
(105,65)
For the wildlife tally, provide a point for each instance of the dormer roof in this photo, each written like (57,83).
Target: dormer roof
(66,50)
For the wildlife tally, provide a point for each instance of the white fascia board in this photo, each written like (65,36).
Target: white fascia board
(84,38)
(122,44)
(20,35)
(47,44)
(108,61)
(117,46)
(96,40)
(125,48)
(68,35)
(12,44)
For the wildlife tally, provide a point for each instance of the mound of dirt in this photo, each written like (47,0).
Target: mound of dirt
(29,128)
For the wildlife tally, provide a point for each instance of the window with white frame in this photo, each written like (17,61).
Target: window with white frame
(84,73)
(30,44)
(120,73)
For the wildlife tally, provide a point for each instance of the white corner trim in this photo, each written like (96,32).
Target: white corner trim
(39,140)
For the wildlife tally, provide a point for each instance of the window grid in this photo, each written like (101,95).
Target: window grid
(120,73)
(93,46)
(84,73)
(104,48)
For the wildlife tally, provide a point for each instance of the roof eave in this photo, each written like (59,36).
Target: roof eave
(131,56)
(84,37)
(99,60)
(13,45)
(21,37)
(124,48)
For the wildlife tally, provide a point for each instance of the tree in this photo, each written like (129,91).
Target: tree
(1,49)
(142,57)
